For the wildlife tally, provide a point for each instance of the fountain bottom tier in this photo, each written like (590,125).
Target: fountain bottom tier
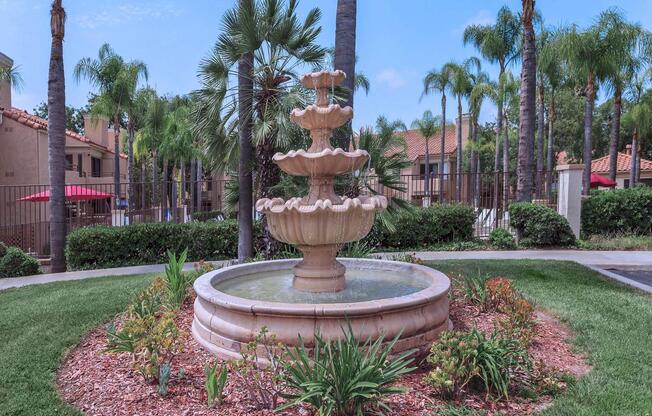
(381,298)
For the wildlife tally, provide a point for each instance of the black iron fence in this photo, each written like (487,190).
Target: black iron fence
(24,209)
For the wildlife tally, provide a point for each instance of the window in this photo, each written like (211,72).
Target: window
(96,167)
(68,162)
(434,169)
(80,169)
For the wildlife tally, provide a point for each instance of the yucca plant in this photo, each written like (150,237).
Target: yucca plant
(215,383)
(176,281)
(344,378)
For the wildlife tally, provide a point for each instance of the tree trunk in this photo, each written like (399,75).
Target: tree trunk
(499,128)
(57,139)
(527,107)
(174,196)
(193,185)
(245,164)
(588,125)
(615,134)
(164,191)
(182,169)
(345,26)
(155,180)
(116,159)
(506,170)
(268,175)
(142,184)
(550,155)
(634,166)
(475,166)
(200,183)
(442,145)
(458,162)
(541,127)
(130,168)
(426,176)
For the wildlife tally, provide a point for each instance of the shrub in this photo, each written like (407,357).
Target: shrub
(101,246)
(520,323)
(3,249)
(421,227)
(475,289)
(343,378)
(406,258)
(502,239)
(471,359)
(499,293)
(618,211)
(16,263)
(176,281)
(203,216)
(215,383)
(538,225)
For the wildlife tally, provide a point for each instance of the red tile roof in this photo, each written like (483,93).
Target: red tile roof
(36,122)
(623,163)
(416,144)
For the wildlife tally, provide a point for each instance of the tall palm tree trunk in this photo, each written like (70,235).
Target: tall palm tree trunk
(527,107)
(130,168)
(499,128)
(426,177)
(174,196)
(458,161)
(245,180)
(475,164)
(506,172)
(634,166)
(345,26)
(541,127)
(182,169)
(615,134)
(442,145)
(142,184)
(57,139)
(200,183)
(164,190)
(268,175)
(155,180)
(193,185)
(588,125)
(551,142)
(116,159)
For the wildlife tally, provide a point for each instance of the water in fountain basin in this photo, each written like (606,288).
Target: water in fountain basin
(361,286)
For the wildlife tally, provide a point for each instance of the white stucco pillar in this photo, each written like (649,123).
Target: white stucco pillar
(569,201)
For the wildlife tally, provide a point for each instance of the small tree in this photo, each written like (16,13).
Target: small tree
(427,127)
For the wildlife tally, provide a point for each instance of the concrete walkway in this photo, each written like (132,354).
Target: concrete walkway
(596,260)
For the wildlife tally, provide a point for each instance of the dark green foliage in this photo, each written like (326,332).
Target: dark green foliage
(215,383)
(423,227)
(206,215)
(471,360)
(16,263)
(501,238)
(618,212)
(176,281)
(3,249)
(343,378)
(100,247)
(539,226)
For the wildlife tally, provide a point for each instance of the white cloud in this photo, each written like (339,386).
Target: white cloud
(391,77)
(481,17)
(127,13)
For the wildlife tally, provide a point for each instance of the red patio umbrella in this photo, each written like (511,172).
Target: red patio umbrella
(599,180)
(73,193)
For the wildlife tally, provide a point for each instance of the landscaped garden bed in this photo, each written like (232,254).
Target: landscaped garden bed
(103,383)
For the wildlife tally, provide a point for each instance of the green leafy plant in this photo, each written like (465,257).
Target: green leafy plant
(356,249)
(149,301)
(164,374)
(407,258)
(474,289)
(215,383)
(471,360)
(453,410)
(16,263)
(344,378)
(176,281)
(502,239)
(618,212)
(539,226)
(207,216)
(3,249)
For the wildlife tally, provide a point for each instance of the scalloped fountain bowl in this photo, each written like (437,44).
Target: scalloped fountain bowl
(381,298)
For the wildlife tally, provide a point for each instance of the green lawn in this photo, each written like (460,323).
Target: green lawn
(37,325)
(613,324)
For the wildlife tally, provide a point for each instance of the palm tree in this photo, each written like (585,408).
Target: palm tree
(480,89)
(438,81)
(551,70)
(117,82)
(461,88)
(345,23)
(542,39)
(510,91)
(628,41)
(498,43)
(640,119)
(527,108)
(590,58)
(280,44)
(12,76)
(57,138)
(427,127)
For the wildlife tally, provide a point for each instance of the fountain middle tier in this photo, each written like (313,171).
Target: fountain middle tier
(327,162)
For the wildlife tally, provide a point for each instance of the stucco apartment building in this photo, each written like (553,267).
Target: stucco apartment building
(24,164)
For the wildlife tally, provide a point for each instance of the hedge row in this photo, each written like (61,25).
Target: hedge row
(100,246)
(14,262)
(539,226)
(618,212)
(423,227)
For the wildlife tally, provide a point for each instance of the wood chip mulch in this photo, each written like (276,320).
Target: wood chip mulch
(104,384)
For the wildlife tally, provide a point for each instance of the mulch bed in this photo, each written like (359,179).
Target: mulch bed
(99,383)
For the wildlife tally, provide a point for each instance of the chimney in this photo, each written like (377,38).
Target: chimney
(97,130)
(5,86)
(628,149)
(466,127)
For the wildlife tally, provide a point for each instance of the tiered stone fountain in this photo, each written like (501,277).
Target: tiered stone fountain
(295,298)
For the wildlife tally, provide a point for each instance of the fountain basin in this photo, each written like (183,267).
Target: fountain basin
(318,117)
(327,162)
(382,298)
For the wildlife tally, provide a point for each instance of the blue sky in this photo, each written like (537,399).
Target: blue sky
(398,42)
